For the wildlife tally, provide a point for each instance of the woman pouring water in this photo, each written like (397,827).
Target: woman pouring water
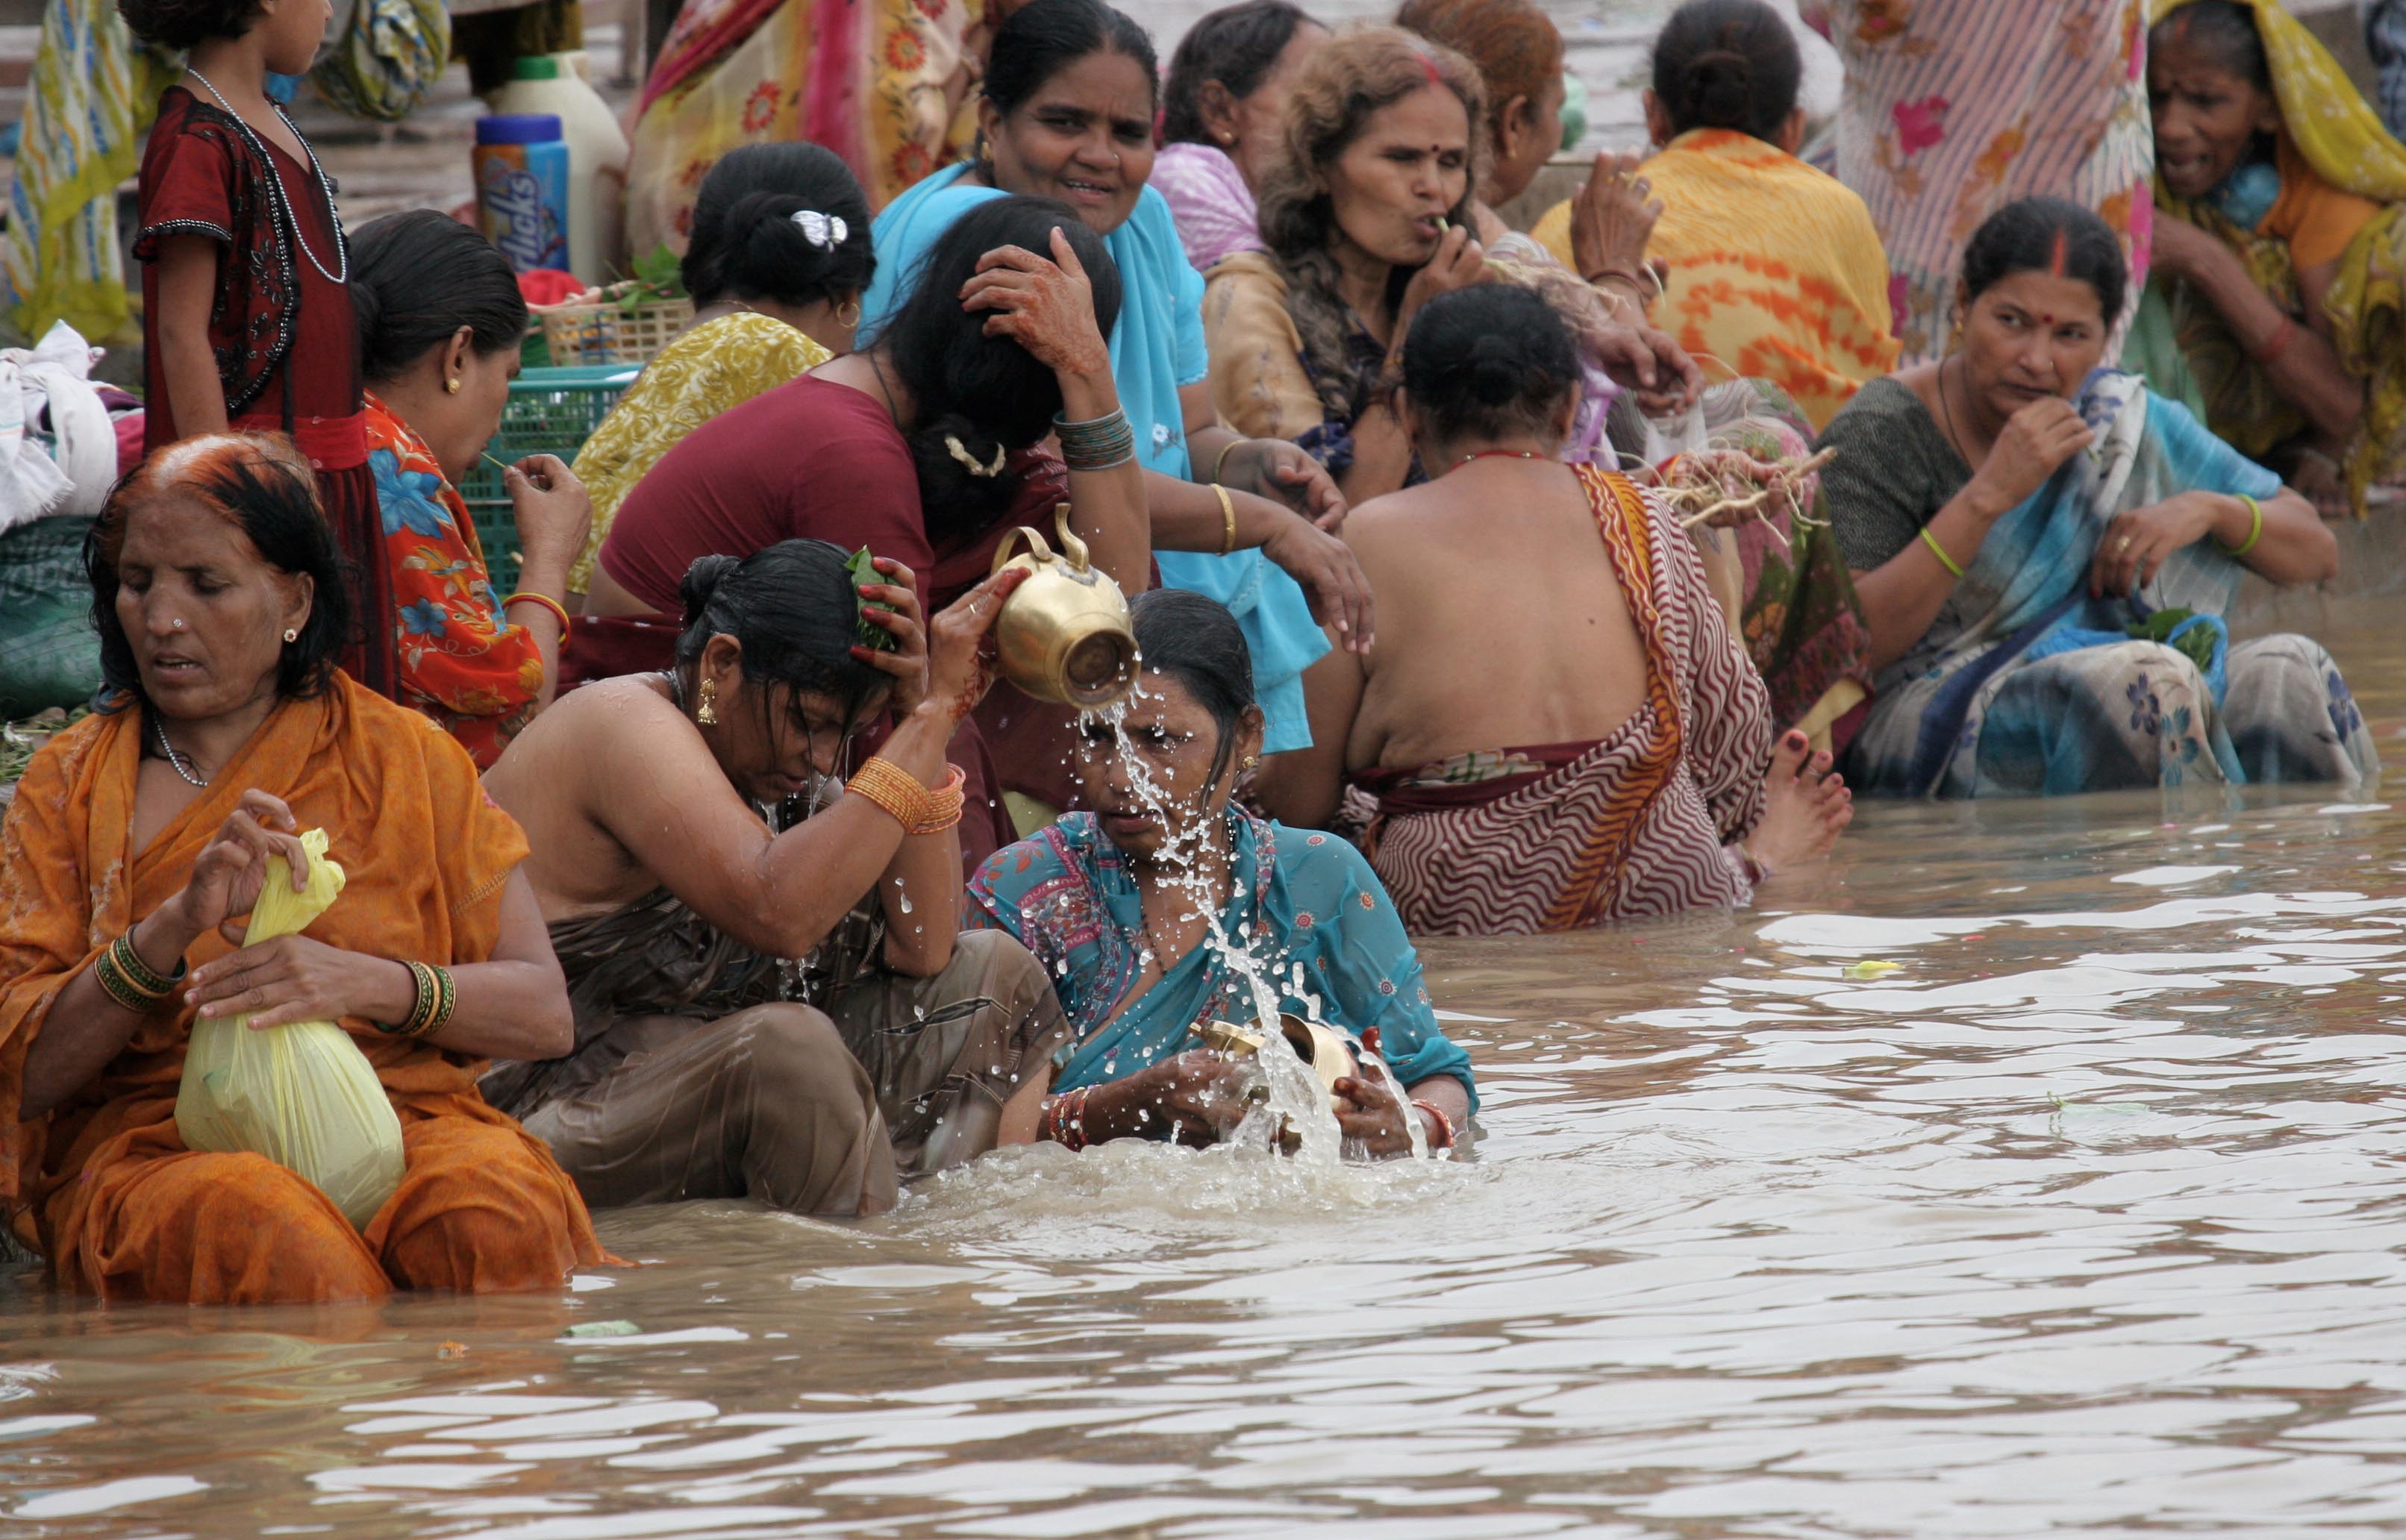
(1168,907)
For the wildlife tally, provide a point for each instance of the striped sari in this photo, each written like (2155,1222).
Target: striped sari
(1954,109)
(1642,821)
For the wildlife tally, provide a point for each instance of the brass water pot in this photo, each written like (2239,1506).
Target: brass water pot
(1063,635)
(1330,1056)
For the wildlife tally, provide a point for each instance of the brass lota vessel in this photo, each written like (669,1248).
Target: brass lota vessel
(1063,635)
(1326,1051)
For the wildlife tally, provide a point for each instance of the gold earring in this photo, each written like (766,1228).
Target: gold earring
(853,319)
(707,712)
(1249,762)
(291,633)
(451,386)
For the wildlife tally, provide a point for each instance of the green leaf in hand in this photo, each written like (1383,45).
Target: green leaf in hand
(863,570)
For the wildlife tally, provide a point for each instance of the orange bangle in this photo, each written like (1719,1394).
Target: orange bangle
(555,606)
(894,791)
(942,809)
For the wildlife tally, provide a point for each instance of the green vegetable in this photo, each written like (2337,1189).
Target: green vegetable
(2196,645)
(864,573)
(651,279)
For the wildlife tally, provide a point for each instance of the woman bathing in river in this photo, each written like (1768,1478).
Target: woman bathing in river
(1134,909)
(2021,610)
(1649,783)
(696,1073)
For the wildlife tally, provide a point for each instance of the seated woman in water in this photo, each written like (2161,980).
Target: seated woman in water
(138,839)
(782,1016)
(2051,621)
(1367,216)
(776,264)
(440,321)
(1648,783)
(920,448)
(1769,266)
(2283,244)
(1067,112)
(1223,116)
(1156,911)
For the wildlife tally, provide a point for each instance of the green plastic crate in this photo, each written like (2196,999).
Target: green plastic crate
(551,412)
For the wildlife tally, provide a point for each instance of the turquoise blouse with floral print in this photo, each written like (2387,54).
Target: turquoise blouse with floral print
(1305,905)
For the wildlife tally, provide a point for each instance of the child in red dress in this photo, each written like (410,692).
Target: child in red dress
(246,313)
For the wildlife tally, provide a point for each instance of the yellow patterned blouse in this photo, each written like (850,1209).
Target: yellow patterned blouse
(717,365)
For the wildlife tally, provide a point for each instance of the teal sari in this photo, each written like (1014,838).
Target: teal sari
(1306,907)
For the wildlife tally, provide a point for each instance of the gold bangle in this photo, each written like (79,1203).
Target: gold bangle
(117,986)
(1228,519)
(1221,463)
(525,597)
(942,809)
(141,975)
(892,790)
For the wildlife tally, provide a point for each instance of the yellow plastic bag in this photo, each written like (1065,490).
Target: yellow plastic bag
(302,1095)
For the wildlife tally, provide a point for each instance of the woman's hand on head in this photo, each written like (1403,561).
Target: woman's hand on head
(1047,307)
(1650,363)
(893,607)
(294,979)
(1283,473)
(554,512)
(1459,262)
(1613,217)
(2037,439)
(1331,577)
(960,644)
(232,868)
(2136,544)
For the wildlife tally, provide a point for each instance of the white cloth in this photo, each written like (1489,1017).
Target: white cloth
(71,473)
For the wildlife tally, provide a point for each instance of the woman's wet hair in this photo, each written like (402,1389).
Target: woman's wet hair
(1039,41)
(987,394)
(1515,44)
(2048,235)
(1193,640)
(1488,361)
(2223,31)
(259,484)
(181,24)
(793,608)
(1236,46)
(1727,63)
(417,278)
(747,244)
(1356,74)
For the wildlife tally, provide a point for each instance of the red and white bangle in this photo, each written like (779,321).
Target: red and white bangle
(1442,1136)
(1065,1119)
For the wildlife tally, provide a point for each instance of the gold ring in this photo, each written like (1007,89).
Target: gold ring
(2122,545)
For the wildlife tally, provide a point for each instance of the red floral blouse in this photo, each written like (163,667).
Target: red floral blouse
(461,662)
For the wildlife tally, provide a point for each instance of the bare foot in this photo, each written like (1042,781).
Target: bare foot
(1806,806)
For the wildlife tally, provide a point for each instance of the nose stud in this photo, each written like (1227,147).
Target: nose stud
(176,624)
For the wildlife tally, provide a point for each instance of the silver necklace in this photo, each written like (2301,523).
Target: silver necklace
(176,760)
(276,187)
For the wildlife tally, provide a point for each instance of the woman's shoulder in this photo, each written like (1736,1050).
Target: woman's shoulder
(1050,852)
(1884,405)
(1318,860)
(63,762)
(1252,271)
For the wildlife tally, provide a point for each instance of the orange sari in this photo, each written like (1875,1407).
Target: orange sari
(104,1185)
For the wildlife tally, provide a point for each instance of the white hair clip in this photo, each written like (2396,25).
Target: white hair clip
(823,231)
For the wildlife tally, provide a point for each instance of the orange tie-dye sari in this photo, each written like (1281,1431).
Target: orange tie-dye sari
(104,1185)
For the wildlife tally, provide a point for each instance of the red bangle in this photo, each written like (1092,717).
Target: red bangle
(2274,345)
(1065,1119)
(555,606)
(1444,1136)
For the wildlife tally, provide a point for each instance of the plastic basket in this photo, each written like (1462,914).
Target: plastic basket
(551,412)
(580,335)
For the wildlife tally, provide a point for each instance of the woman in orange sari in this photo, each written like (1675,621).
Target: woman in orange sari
(137,839)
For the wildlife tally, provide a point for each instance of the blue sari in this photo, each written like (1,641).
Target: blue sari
(1157,348)
(1313,915)
(2026,685)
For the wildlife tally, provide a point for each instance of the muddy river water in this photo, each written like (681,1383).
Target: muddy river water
(2039,1168)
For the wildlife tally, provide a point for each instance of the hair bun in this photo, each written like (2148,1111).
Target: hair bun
(701,580)
(1719,89)
(1497,372)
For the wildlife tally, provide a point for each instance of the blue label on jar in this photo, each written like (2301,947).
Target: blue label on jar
(522,196)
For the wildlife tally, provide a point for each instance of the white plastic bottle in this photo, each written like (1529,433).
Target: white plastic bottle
(555,84)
